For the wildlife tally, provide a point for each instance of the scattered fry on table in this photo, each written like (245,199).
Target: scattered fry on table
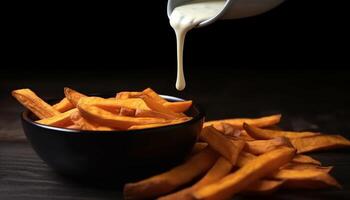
(305,159)
(263,186)
(221,168)
(264,134)
(168,181)
(262,146)
(300,176)
(199,146)
(230,149)
(237,181)
(297,166)
(319,142)
(238,122)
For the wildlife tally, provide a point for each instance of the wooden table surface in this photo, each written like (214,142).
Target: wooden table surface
(319,104)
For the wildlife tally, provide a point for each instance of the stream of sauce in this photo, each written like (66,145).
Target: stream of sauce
(184,18)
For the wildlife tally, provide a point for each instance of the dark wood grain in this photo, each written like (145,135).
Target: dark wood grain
(307,102)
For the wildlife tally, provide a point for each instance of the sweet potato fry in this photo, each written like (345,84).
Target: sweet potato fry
(297,166)
(262,146)
(171,122)
(295,177)
(168,181)
(228,129)
(151,93)
(73,126)
(83,124)
(127,95)
(61,120)
(238,123)
(105,118)
(220,169)
(233,132)
(73,96)
(199,146)
(229,149)
(178,107)
(319,142)
(304,184)
(305,160)
(246,175)
(263,187)
(151,113)
(264,134)
(244,158)
(126,111)
(35,104)
(155,106)
(63,106)
(112,105)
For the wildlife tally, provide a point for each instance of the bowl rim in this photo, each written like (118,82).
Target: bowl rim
(197,117)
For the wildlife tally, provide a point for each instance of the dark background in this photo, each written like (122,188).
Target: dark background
(295,54)
(136,34)
(292,60)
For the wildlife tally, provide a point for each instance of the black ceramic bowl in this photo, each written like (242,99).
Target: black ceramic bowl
(117,155)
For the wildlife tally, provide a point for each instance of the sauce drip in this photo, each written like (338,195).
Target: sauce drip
(184,18)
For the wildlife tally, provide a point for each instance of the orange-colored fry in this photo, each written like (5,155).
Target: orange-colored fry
(73,96)
(156,106)
(258,122)
(305,160)
(229,149)
(263,134)
(221,168)
(151,113)
(228,129)
(126,111)
(105,118)
(199,146)
(262,146)
(244,158)
(112,105)
(254,170)
(319,142)
(83,124)
(73,126)
(171,122)
(305,175)
(178,107)
(64,105)
(127,95)
(297,166)
(263,186)
(60,120)
(168,181)
(151,93)
(35,104)
(233,132)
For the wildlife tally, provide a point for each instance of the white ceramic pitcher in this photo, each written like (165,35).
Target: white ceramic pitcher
(233,9)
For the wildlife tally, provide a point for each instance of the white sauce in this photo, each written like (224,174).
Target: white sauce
(184,18)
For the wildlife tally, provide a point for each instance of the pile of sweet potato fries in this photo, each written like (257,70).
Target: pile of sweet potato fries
(232,155)
(125,111)
(243,156)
